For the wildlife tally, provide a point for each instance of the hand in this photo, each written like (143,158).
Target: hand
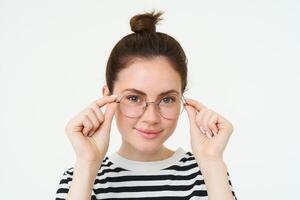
(89,131)
(209,131)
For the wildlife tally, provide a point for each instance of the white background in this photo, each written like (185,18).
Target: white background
(243,59)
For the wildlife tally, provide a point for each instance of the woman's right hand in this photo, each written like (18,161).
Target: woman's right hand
(89,131)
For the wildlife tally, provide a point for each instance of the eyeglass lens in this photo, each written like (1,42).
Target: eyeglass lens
(133,105)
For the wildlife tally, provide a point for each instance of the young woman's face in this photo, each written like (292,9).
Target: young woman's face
(152,77)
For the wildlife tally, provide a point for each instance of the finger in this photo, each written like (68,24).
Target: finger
(208,113)
(87,125)
(93,117)
(108,116)
(212,123)
(195,104)
(106,99)
(191,111)
(98,112)
(200,122)
(194,125)
(99,103)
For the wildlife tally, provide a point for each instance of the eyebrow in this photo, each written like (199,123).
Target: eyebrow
(144,94)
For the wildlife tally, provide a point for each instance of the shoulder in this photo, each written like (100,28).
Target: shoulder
(186,156)
(185,162)
(68,173)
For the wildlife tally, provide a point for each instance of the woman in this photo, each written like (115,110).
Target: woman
(146,77)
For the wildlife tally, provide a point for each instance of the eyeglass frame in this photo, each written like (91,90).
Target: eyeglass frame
(182,99)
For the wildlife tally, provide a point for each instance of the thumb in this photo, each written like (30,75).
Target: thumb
(197,137)
(192,116)
(108,116)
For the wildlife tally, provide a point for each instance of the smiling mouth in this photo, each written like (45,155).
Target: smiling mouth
(149,131)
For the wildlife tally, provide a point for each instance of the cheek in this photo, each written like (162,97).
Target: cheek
(170,125)
(123,123)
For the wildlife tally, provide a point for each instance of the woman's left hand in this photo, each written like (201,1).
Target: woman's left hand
(210,132)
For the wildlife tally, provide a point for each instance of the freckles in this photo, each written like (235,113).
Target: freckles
(170,125)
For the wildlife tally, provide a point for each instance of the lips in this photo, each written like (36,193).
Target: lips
(149,131)
(149,134)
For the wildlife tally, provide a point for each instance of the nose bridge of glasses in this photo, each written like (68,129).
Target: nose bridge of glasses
(151,113)
(149,102)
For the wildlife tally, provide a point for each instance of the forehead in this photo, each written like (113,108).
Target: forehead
(152,76)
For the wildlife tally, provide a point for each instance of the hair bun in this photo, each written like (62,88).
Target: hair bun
(145,22)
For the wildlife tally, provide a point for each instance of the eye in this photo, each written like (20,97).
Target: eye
(133,98)
(168,100)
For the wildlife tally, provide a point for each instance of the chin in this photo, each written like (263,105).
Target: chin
(148,147)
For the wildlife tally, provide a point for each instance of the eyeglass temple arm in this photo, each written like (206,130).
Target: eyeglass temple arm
(184,101)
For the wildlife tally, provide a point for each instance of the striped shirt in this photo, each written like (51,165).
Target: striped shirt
(177,177)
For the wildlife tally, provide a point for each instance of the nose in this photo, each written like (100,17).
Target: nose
(151,113)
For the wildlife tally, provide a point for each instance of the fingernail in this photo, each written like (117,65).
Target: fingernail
(214,132)
(207,133)
(202,129)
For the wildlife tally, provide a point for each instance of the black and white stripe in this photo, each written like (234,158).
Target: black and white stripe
(182,179)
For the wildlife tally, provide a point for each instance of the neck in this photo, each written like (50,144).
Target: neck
(131,153)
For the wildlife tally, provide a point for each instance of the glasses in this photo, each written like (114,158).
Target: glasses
(133,105)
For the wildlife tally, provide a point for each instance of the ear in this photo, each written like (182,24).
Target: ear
(105,90)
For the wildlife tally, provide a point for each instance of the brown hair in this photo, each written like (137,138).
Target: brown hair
(145,43)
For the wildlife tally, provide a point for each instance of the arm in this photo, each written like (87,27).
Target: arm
(210,133)
(89,134)
(83,180)
(215,177)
